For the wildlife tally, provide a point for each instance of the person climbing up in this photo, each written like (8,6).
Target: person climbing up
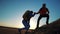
(26,19)
(44,12)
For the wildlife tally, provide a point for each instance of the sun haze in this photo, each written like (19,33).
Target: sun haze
(12,10)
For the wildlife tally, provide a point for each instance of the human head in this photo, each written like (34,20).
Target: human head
(44,5)
(31,11)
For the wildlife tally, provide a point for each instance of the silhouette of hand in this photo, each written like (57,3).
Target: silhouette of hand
(47,13)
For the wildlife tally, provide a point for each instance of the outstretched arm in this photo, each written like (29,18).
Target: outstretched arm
(39,11)
(31,14)
(35,12)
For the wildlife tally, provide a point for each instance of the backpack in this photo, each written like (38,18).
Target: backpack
(26,15)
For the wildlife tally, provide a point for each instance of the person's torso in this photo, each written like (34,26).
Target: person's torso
(43,11)
(29,16)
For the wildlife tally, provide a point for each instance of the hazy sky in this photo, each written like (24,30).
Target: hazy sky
(11,11)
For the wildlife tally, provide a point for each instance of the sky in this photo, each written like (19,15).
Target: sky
(11,12)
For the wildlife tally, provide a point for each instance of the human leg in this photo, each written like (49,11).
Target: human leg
(19,30)
(26,24)
(47,20)
(38,21)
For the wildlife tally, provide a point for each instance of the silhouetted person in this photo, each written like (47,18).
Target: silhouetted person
(26,19)
(44,12)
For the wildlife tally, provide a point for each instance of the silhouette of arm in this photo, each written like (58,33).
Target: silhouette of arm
(32,14)
(39,11)
(47,10)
